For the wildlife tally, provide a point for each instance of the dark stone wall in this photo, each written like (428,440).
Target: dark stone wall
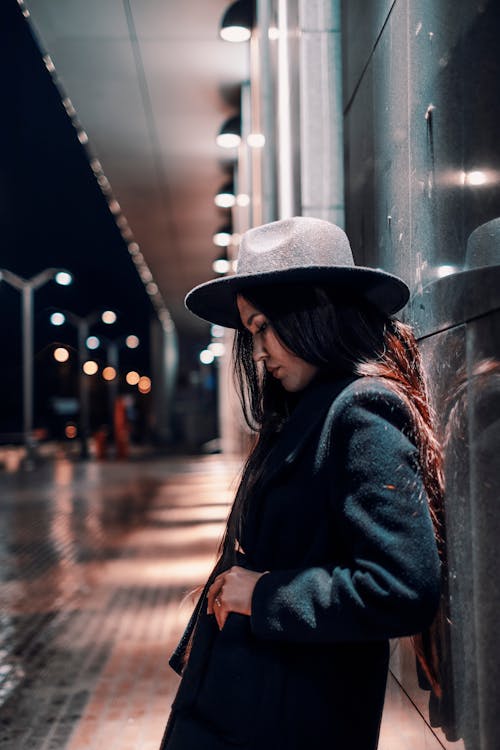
(421,122)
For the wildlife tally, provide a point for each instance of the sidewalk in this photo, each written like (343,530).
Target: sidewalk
(90,611)
(95,562)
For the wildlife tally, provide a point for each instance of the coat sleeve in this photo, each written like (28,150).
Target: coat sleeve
(389,585)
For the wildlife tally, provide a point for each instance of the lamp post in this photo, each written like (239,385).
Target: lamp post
(82,325)
(28,287)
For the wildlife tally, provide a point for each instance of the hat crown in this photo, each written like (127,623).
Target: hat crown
(298,242)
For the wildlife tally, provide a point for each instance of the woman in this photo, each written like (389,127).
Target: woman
(330,547)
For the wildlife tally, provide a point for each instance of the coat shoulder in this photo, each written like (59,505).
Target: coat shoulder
(376,396)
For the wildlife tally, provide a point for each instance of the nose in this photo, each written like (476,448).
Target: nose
(259,353)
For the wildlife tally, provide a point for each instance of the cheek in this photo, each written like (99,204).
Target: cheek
(274,346)
(305,373)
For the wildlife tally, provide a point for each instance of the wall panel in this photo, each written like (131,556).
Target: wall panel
(422,172)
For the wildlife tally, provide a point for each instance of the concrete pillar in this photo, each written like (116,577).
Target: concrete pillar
(321,132)
(164,361)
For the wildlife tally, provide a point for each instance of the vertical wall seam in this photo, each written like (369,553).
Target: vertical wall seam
(368,61)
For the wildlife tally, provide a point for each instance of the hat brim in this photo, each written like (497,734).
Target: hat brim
(215,301)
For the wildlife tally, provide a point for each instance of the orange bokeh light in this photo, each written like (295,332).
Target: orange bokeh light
(144,384)
(109,373)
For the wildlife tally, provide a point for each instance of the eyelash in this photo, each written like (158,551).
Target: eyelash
(263,327)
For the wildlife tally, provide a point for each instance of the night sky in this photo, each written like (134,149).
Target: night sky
(53,214)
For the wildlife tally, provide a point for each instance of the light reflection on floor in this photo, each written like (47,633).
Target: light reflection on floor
(91,611)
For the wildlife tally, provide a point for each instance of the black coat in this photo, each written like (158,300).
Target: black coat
(340,520)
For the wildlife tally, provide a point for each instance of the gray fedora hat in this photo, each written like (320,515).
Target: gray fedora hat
(296,250)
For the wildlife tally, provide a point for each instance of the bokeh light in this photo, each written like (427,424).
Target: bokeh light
(70,431)
(256,140)
(217,348)
(64,278)
(109,373)
(235,34)
(144,384)
(228,140)
(57,318)
(221,265)
(222,239)
(206,357)
(242,200)
(61,354)
(132,341)
(108,317)
(93,342)
(225,200)
(217,331)
(132,377)
(476,177)
(90,367)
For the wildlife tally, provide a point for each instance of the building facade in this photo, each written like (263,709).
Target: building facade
(384,117)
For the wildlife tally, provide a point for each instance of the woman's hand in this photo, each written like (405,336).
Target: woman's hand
(232,591)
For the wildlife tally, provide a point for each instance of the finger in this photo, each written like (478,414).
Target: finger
(215,603)
(221,616)
(213,592)
(209,601)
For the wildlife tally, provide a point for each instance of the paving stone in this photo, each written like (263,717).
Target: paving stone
(95,562)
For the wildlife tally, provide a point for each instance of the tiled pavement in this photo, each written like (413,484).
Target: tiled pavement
(95,562)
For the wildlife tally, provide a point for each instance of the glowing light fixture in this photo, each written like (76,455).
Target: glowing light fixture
(223,236)
(64,278)
(109,373)
(475,178)
(144,384)
(221,265)
(206,357)
(237,21)
(217,331)
(217,348)
(61,354)
(229,135)
(225,197)
(58,319)
(242,200)
(108,317)
(93,342)
(90,367)
(132,342)
(132,377)
(256,140)
(445,270)
(70,431)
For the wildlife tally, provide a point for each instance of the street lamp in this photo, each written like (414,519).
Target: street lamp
(82,324)
(27,287)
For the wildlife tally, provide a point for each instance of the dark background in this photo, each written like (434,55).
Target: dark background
(53,213)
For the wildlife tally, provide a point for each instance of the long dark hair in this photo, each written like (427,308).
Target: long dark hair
(343,335)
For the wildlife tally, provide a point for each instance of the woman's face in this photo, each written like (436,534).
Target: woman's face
(293,372)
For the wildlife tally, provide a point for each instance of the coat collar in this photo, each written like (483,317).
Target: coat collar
(310,411)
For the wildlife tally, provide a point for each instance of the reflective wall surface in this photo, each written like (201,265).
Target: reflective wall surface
(422,171)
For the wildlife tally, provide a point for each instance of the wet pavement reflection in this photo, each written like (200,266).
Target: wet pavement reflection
(95,562)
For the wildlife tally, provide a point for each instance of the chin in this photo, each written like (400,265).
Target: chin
(292,387)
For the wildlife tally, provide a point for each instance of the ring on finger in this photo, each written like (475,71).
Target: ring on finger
(218,601)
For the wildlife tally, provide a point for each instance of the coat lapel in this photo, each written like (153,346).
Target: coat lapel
(305,418)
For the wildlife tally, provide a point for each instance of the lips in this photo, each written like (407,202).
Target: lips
(273,371)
